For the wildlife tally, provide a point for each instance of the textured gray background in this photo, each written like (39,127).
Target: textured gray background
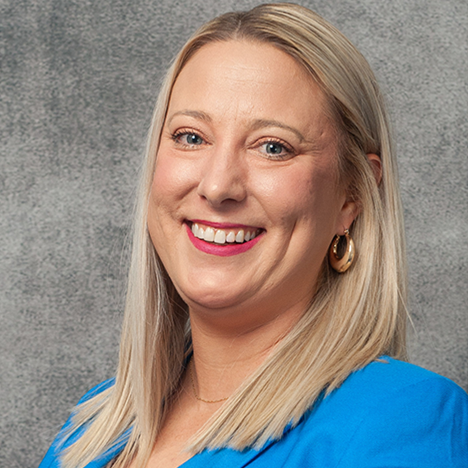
(78,82)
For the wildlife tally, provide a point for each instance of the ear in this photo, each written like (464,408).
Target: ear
(376,165)
(348,213)
(352,208)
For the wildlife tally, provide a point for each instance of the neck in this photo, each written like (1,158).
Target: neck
(223,357)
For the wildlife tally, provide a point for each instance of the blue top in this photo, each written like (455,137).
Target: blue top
(390,414)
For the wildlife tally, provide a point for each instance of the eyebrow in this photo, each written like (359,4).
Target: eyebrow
(257,124)
(262,123)
(192,113)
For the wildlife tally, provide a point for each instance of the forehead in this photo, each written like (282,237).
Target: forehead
(249,75)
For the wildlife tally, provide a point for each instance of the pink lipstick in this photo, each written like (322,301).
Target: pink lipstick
(226,249)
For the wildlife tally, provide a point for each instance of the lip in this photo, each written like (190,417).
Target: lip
(222,225)
(224,250)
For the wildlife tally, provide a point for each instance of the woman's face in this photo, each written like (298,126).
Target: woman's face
(248,150)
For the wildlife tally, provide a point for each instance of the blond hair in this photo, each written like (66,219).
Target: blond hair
(353,318)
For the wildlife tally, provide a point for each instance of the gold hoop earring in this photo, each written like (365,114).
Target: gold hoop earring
(342,264)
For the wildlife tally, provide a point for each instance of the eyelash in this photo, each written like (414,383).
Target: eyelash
(287,149)
(185,132)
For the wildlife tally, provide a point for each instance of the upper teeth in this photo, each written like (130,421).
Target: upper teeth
(222,236)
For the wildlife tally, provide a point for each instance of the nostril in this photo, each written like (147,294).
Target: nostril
(218,187)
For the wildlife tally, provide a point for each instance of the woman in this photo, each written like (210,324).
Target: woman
(254,334)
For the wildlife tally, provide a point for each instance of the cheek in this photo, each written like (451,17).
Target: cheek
(169,178)
(166,191)
(301,193)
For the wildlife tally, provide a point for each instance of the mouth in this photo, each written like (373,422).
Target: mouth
(219,234)
(222,240)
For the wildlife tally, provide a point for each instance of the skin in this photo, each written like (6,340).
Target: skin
(215,163)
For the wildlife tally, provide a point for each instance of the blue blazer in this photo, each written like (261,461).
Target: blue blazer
(390,414)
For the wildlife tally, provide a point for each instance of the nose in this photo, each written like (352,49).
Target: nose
(224,178)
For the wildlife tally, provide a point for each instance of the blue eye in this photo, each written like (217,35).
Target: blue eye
(193,139)
(187,138)
(274,148)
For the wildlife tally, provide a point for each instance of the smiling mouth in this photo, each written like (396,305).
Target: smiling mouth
(223,236)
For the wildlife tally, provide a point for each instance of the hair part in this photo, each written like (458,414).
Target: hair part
(353,319)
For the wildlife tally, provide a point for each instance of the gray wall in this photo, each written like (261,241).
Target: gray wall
(78,81)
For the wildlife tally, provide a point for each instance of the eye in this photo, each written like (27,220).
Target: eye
(187,138)
(275,149)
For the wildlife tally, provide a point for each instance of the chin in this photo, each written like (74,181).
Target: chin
(211,298)
(211,301)
(204,287)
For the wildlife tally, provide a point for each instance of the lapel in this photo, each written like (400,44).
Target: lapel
(228,457)
(225,457)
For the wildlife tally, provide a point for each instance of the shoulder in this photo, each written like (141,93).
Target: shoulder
(97,390)
(64,438)
(387,386)
(394,379)
(391,413)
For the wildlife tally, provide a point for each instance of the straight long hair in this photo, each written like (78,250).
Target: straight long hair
(353,318)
